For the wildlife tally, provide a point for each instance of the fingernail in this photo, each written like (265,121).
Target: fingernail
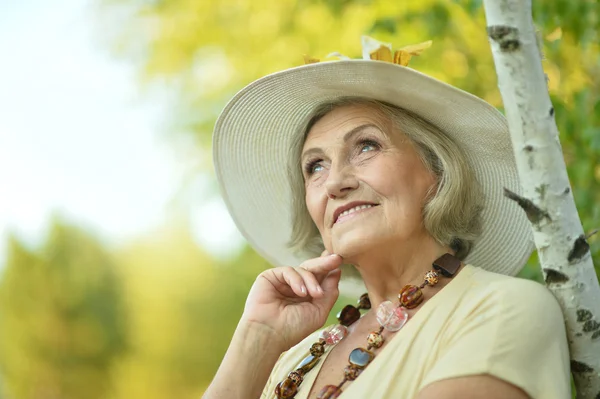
(303,289)
(333,255)
(319,289)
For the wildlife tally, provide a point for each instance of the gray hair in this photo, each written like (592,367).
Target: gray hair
(451,215)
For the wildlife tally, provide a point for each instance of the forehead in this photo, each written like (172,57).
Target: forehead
(340,120)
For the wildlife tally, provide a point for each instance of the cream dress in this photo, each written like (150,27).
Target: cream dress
(480,323)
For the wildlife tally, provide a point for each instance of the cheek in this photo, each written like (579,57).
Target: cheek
(315,206)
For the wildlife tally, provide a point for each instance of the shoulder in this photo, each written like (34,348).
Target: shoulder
(505,327)
(514,295)
(506,312)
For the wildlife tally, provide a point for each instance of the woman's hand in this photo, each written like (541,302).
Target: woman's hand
(294,301)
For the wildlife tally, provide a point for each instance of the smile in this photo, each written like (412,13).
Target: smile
(352,212)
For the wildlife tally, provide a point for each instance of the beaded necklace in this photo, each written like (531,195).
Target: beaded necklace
(389,316)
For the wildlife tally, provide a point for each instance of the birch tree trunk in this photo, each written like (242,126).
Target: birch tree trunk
(562,247)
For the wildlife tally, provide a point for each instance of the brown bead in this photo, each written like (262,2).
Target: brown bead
(432,277)
(317,349)
(286,389)
(375,339)
(348,315)
(296,376)
(307,364)
(410,296)
(447,265)
(364,302)
(351,373)
(329,392)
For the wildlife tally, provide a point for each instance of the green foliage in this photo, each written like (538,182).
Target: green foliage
(183,308)
(62,325)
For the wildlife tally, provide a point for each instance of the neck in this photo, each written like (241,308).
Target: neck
(385,271)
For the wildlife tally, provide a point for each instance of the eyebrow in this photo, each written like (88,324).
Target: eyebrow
(347,137)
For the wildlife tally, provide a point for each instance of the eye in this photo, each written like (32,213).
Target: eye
(368,145)
(312,167)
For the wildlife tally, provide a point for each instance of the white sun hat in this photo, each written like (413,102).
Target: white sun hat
(253,135)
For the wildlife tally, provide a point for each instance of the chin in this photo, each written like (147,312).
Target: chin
(352,245)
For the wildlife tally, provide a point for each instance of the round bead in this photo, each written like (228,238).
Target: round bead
(351,372)
(348,315)
(410,296)
(375,339)
(432,277)
(286,389)
(335,334)
(296,376)
(390,316)
(317,349)
(329,392)
(364,302)
(360,358)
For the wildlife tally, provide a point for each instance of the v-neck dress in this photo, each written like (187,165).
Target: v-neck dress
(479,323)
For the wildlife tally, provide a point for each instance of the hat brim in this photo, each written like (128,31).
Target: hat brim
(253,135)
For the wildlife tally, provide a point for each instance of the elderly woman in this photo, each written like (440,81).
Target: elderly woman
(374,165)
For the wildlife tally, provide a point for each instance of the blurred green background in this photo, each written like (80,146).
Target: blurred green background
(96,303)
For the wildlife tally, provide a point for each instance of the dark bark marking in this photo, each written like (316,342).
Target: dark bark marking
(551,111)
(583,315)
(579,367)
(580,248)
(596,335)
(528,148)
(553,276)
(591,325)
(534,214)
(567,190)
(541,190)
(507,37)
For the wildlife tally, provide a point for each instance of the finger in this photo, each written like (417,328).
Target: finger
(322,265)
(330,287)
(332,280)
(294,280)
(314,289)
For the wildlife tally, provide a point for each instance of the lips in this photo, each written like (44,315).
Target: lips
(350,207)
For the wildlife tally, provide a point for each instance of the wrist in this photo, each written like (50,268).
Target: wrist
(261,333)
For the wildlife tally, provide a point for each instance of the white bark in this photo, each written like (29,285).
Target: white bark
(563,250)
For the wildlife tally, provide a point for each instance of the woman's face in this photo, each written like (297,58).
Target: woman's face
(365,182)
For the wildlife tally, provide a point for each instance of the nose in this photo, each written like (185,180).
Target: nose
(340,182)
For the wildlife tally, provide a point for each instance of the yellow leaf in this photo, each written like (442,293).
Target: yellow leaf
(402,57)
(416,49)
(383,53)
(309,60)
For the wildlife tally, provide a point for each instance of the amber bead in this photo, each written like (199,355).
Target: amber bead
(375,339)
(432,277)
(286,389)
(410,296)
(348,315)
(307,363)
(329,392)
(351,372)
(296,376)
(360,357)
(364,302)
(317,349)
